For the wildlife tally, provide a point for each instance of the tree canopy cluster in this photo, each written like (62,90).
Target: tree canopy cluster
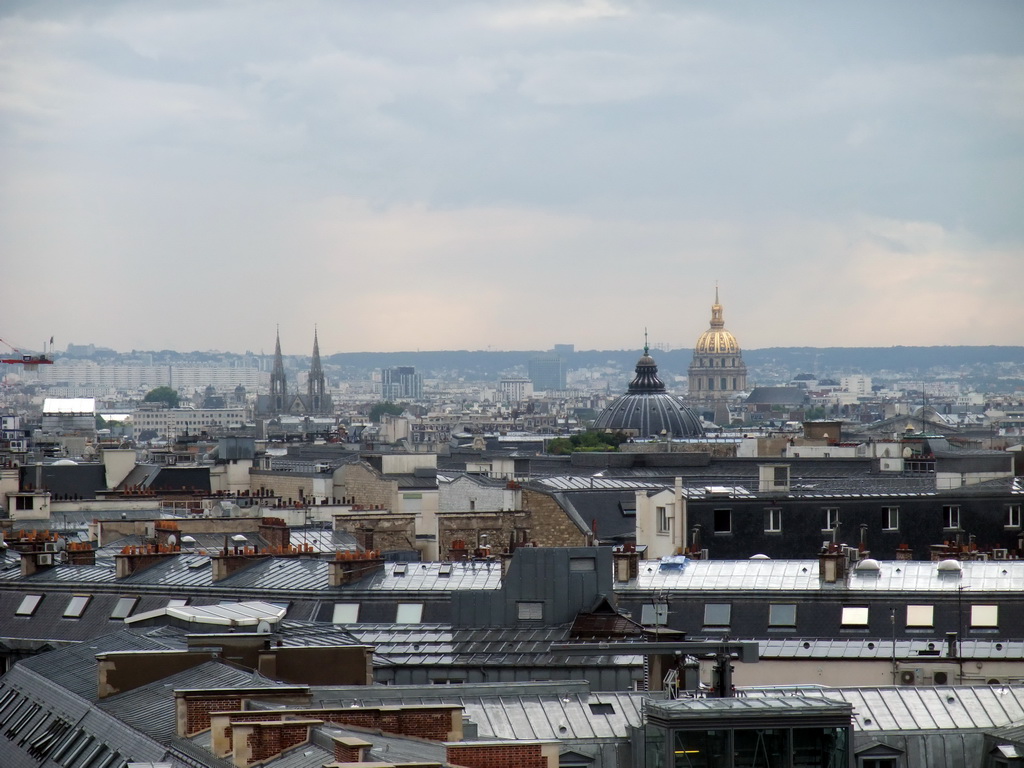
(162,395)
(591,440)
(388,407)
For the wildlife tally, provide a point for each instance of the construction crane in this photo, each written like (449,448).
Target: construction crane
(31,362)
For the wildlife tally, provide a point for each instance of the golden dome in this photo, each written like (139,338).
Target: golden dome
(716,340)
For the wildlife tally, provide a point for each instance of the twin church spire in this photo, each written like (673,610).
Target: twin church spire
(315,400)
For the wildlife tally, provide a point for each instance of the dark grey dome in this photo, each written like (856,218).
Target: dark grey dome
(647,410)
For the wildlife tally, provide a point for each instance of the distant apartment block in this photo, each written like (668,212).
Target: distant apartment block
(401,383)
(169,423)
(69,416)
(86,373)
(856,384)
(514,389)
(547,372)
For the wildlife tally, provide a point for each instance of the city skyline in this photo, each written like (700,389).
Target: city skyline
(510,175)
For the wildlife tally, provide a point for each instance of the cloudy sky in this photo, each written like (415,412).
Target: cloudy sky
(449,175)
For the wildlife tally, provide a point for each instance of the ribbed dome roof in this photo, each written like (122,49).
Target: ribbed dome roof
(647,410)
(717,340)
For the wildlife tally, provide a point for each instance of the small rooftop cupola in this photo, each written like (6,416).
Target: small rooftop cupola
(646,379)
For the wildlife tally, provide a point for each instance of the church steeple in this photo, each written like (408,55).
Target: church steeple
(278,383)
(317,383)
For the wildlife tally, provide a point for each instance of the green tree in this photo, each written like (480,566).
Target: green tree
(386,407)
(590,441)
(162,395)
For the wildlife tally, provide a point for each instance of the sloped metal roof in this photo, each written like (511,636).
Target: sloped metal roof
(75,668)
(522,711)
(845,648)
(389,748)
(910,708)
(441,644)
(150,708)
(910,576)
(280,573)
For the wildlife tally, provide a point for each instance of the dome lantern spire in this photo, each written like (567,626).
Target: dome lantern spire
(716,313)
(646,379)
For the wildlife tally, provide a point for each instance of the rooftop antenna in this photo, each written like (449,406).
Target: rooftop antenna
(646,347)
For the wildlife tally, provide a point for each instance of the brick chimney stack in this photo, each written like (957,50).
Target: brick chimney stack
(350,567)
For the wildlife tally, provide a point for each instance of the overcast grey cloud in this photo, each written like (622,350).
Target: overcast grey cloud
(510,175)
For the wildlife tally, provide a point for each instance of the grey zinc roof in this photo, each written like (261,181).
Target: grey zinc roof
(836,648)
(713,708)
(389,748)
(150,708)
(72,574)
(522,711)
(911,708)
(422,644)
(432,577)
(802,575)
(299,573)
(80,730)
(592,482)
(184,570)
(75,667)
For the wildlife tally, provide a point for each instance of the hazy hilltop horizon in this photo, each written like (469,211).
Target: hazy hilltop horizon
(494,362)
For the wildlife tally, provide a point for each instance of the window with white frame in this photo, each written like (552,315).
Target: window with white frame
(28,605)
(124,607)
(951,517)
(831,518)
(984,616)
(664,520)
(1013,516)
(855,616)
(409,613)
(773,520)
(891,518)
(76,606)
(345,613)
(782,615)
(920,616)
(530,611)
(717,614)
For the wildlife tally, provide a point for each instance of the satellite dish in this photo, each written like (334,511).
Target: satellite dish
(263,628)
(172,540)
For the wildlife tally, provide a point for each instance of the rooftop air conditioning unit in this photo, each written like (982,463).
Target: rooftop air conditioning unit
(999,554)
(46,559)
(50,546)
(907,677)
